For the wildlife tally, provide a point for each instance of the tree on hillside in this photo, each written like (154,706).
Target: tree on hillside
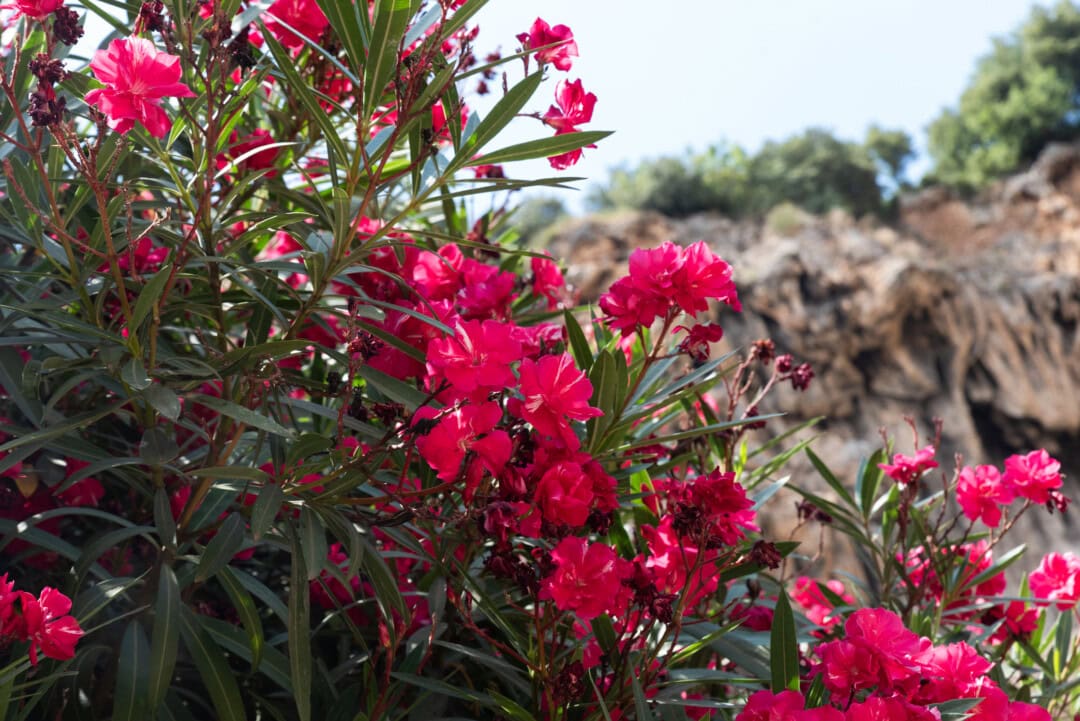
(1023,95)
(817,172)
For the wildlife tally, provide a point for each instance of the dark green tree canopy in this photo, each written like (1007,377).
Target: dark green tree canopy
(1024,94)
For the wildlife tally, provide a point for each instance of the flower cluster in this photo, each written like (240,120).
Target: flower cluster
(573,106)
(881,670)
(983,491)
(665,281)
(41,621)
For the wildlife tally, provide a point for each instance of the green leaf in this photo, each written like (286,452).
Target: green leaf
(134,374)
(267,504)
(605,634)
(869,479)
(831,479)
(351,27)
(218,678)
(299,88)
(274,665)
(543,148)
(149,296)
(165,638)
(132,675)
(391,22)
(300,632)
(158,446)
(222,547)
(579,344)
(641,706)
(393,388)
(244,415)
(505,110)
(784,647)
(312,541)
(163,400)
(163,519)
(247,611)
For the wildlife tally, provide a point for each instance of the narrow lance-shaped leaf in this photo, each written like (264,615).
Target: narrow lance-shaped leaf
(216,675)
(165,638)
(784,647)
(300,631)
(129,701)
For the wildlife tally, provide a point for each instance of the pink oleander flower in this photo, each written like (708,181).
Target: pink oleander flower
(955,670)
(1057,579)
(304,16)
(573,107)
(46,625)
(565,494)
(672,560)
(1032,476)
(587,579)
(981,494)
(723,503)
(476,359)
(907,469)
(784,706)
(1020,711)
(486,292)
(438,275)
(556,392)
(698,339)
(470,428)
(702,276)
(548,282)
(249,146)
(816,605)
(894,708)
(136,77)
(876,652)
(560,38)
(41,9)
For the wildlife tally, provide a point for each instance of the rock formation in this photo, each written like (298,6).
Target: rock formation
(961,310)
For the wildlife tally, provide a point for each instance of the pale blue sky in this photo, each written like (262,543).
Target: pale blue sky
(678,74)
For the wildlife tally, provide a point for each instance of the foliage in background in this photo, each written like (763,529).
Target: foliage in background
(813,170)
(1023,95)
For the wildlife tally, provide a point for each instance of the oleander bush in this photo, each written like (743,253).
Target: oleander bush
(291,426)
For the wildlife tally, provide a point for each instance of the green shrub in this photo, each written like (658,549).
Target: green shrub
(1022,96)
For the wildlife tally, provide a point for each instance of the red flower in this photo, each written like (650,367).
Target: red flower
(565,494)
(556,392)
(724,504)
(817,606)
(136,78)
(438,275)
(697,340)
(878,651)
(246,155)
(1032,476)
(1057,579)
(305,16)
(980,493)
(702,276)
(41,9)
(907,469)
(548,282)
(476,359)
(574,106)
(560,38)
(469,428)
(588,578)
(43,621)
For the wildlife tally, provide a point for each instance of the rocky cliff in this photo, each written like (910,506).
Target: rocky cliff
(961,310)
